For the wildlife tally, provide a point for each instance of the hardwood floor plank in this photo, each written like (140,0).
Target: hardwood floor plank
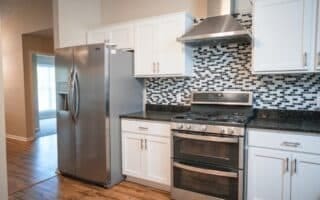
(31,176)
(30,162)
(62,188)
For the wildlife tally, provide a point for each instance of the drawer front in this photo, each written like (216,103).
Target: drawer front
(146,127)
(284,140)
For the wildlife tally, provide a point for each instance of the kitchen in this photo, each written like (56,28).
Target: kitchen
(225,109)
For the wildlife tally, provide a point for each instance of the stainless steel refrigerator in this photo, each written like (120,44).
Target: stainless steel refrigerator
(95,85)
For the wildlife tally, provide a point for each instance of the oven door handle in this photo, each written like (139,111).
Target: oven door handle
(206,138)
(206,171)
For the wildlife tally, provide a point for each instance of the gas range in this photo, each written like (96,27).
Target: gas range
(208,146)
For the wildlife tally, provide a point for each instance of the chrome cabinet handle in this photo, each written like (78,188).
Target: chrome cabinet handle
(294,167)
(305,59)
(154,67)
(143,128)
(291,144)
(145,144)
(158,67)
(206,171)
(141,144)
(287,164)
(206,138)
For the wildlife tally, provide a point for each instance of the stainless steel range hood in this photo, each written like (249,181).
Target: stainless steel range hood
(217,29)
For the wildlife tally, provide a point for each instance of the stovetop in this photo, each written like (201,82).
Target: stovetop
(211,117)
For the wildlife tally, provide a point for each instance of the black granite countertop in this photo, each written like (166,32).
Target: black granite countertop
(298,121)
(157,112)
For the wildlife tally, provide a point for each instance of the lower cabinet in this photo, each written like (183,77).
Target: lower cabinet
(146,156)
(268,175)
(282,174)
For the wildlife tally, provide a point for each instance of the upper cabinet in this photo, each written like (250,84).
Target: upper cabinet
(284,36)
(154,40)
(157,51)
(120,35)
(318,41)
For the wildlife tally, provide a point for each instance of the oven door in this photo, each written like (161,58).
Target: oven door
(213,150)
(194,183)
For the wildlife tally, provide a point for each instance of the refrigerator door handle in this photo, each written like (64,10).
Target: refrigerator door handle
(76,96)
(70,92)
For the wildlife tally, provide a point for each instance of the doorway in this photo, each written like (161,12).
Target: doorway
(46,94)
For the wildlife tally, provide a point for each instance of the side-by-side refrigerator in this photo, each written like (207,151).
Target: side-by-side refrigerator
(95,85)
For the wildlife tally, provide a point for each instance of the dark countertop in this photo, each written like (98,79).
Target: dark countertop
(287,120)
(151,115)
(298,121)
(157,112)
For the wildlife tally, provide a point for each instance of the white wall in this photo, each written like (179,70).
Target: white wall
(3,161)
(125,10)
(72,18)
(19,17)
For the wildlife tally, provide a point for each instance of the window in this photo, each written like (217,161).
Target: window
(46,84)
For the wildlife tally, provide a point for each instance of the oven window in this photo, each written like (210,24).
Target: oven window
(212,185)
(207,152)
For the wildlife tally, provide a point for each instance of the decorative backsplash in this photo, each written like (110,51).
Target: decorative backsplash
(227,67)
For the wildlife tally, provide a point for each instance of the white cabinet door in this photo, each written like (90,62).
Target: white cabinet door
(284,32)
(305,177)
(132,155)
(98,36)
(158,159)
(122,36)
(144,48)
(268,174)
(318,40)
(170,52)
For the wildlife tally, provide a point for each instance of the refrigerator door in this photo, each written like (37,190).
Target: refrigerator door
(65,124)
(91,120)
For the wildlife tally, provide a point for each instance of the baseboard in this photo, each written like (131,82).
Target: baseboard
(19,138)
(149,183)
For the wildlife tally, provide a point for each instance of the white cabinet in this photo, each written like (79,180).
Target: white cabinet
(145,48)
(146,151)
(284,36)
(132,145)
(158,157)
(306,177)
(318,41)
(157,51)
(121,35)
(277,168)
(269,175)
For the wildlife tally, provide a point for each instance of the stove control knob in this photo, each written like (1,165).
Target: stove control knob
(188,126)
(203,128)
(179,126)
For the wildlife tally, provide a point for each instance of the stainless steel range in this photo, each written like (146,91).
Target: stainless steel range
(208,147)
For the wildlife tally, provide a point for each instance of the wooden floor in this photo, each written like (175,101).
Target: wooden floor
(31,176)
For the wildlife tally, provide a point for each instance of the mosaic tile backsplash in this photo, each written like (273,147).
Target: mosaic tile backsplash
(227,67)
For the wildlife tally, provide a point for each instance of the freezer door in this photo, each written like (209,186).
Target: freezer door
(65,125)
(91,122)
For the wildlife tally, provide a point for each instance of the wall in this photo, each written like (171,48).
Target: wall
(72,19)
(228,67)
(33,45)
(3,160)
(125,10)
(18,17)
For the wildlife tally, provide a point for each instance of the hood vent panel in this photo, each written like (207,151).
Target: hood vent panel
(219,29)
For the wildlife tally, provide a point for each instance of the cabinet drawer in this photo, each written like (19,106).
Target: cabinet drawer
(284,140)
(146,127)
